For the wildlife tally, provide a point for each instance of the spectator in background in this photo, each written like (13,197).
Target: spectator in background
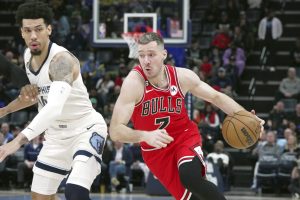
(74,41)
(222,82)
(5,130)
(291,145)
(224,161)
(210,122)
(61,25)
(277,117)
(290,86)
(138,161)
(224,22)
(239,56)
(232,72)
(194,54)
(221,40)
(104,86)
(268,147)
(212,13)
(31,152)
(294,186)
(119,167)
(269,31)
(295,54)
(295,117)
(233,10)
(205,69)
(283,141)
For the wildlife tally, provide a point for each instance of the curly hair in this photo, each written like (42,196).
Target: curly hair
(34,10)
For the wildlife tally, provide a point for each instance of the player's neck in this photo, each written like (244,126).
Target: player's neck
(38,60)
(161,80)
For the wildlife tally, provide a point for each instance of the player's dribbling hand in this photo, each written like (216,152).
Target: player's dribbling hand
(158,138)
(262,122)
(29,93)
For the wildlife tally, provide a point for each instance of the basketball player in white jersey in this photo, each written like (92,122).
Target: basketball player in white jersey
(75,133)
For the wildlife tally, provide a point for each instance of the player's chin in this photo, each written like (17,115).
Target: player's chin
(35,52)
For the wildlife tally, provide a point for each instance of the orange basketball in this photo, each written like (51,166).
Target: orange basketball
(241,130)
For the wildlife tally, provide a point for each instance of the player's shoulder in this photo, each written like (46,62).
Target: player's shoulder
(184,72)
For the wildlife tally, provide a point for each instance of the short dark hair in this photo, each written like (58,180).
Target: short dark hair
(150,37)
(34,10)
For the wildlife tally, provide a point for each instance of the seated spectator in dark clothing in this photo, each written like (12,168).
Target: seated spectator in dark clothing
(119,167)
(31,152)
(289,86)
(295,54)
(74,41)
(295,117)
(232,72)
(212,13)
(294,186)
(138,161)
(277,118)
(222,82)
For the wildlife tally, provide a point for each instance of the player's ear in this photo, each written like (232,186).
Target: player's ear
(49,29)
(165,54)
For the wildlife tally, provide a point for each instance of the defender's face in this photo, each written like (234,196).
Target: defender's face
(35,34)
(151,58)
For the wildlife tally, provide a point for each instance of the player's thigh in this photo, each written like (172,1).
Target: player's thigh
(84,171)
(44,186)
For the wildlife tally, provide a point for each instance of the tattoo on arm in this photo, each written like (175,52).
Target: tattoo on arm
(61,67)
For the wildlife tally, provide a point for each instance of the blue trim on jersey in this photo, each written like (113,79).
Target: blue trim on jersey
(51,168)
(87,154)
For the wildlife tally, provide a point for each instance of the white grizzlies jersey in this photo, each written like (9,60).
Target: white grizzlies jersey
(77,111)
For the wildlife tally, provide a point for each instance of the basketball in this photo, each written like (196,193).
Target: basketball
(241,130)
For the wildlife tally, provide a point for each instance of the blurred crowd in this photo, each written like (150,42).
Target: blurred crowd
(218,53)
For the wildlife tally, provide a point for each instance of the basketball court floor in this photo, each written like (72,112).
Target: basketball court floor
(20,195)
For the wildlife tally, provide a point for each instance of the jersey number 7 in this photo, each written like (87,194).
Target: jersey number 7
(163,122)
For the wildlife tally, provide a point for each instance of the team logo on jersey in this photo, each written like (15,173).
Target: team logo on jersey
(173,90)
(97,142)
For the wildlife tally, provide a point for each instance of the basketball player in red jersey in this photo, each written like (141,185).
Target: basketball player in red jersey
(152,95)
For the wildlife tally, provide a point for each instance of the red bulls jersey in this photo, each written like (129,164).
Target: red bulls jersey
(162,108)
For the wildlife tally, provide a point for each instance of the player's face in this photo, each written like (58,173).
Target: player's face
(35,34)
(151,57)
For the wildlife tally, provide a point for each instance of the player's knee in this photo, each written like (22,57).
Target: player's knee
(190,174)
(76,192)
(185,175)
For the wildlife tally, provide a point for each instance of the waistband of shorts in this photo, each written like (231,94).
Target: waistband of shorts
(85,121)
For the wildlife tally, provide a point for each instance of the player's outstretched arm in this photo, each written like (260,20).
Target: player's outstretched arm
(63,70)
(191,82)
(131,93)
(15,105)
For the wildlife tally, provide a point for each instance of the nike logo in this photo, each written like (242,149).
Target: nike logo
(147,91)
(88,128)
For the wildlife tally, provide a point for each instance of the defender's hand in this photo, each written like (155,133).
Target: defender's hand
(158,138)
(8,149)
(29,93)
